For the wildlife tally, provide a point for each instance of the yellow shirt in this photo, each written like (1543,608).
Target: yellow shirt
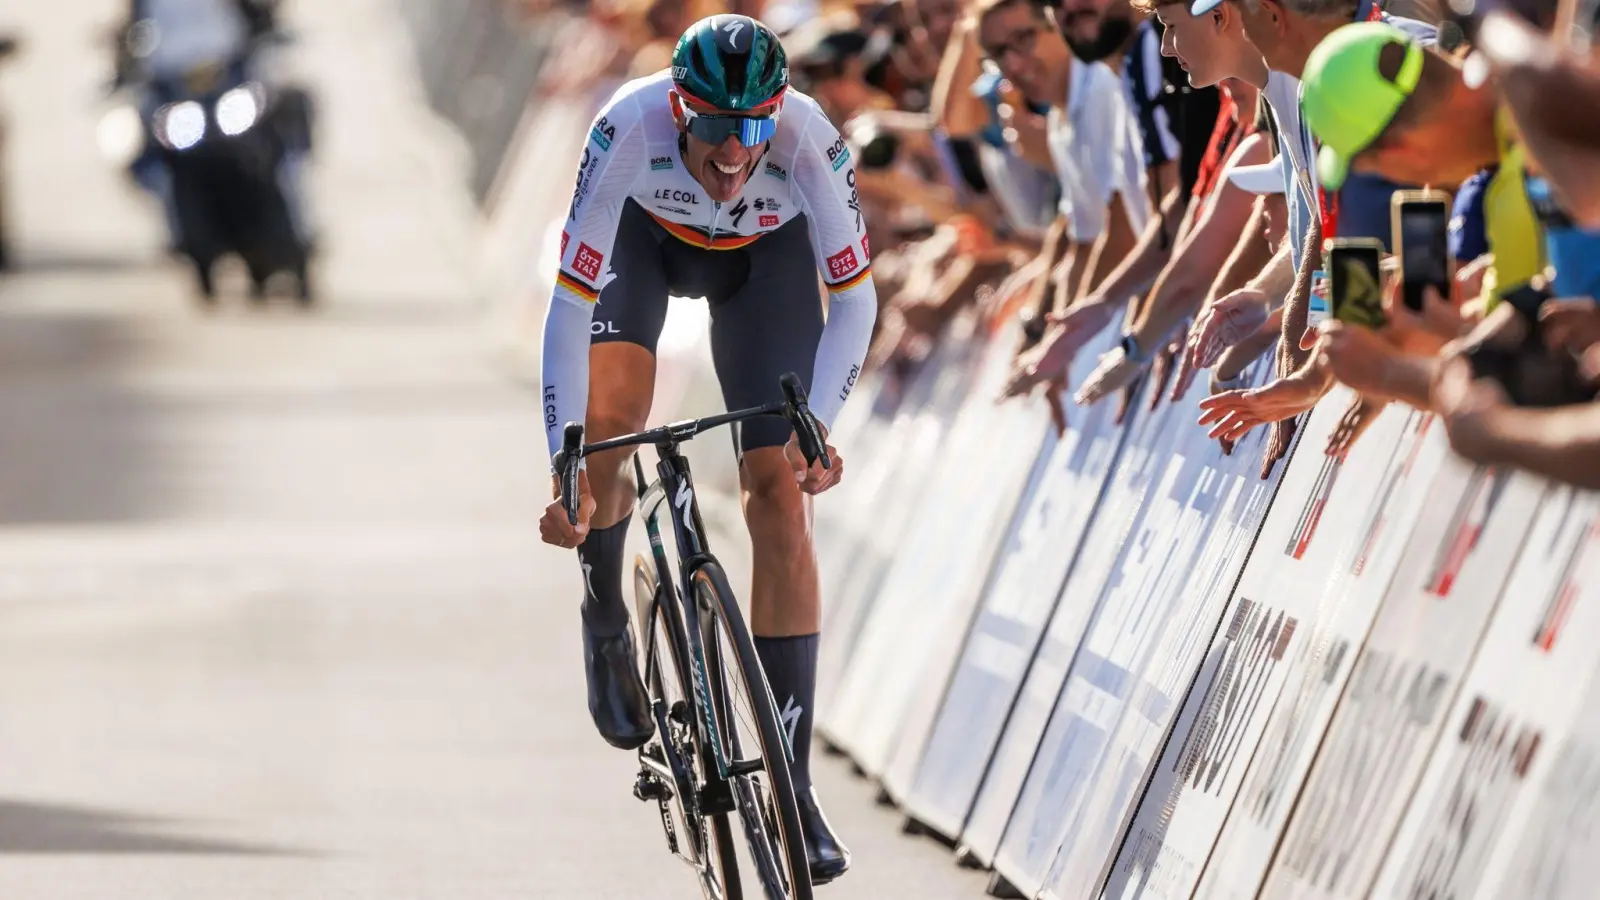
(1508,221)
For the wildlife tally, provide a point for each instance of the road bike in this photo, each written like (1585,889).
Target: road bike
(719,749)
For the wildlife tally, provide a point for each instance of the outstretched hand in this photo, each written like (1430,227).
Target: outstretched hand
(1052,358)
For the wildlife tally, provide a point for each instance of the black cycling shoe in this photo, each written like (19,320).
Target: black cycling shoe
(827,857)
(617,699)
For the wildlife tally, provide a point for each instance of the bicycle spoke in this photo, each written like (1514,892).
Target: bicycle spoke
(676,746)
(737,716)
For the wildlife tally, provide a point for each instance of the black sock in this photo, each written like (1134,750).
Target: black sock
(791,667)
(605,612)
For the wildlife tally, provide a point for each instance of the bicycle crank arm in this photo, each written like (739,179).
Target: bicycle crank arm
(659,777)
(745,767)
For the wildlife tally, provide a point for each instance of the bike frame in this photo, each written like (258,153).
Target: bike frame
(674,485)
(675,482)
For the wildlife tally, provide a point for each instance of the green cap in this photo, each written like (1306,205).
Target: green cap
(1347,100)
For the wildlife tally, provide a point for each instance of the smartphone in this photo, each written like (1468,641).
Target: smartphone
(1354,289)
(1421,238)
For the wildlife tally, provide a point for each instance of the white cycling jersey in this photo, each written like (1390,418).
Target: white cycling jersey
(633,154)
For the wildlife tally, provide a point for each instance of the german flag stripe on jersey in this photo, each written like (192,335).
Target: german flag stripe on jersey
(851,282)
(694,237)
(577,287)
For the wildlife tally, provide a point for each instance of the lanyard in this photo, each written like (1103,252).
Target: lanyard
(1327,203)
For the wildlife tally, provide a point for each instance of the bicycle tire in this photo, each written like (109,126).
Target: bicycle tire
(667,626)
(719,610)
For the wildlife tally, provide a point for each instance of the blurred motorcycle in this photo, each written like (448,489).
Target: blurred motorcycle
(221,146)
(8,48)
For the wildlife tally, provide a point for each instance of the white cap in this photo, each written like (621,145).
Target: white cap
(1266,178)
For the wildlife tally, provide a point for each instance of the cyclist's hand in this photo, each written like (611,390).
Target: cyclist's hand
(814,479)
(553,525)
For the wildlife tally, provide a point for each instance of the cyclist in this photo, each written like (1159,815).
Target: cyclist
(712,179)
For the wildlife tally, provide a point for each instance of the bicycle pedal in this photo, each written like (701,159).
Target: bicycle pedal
(648,787)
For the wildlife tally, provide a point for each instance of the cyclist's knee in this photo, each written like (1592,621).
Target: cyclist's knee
(769,486)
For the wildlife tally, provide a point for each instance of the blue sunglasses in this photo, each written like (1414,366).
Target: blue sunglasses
(715,130)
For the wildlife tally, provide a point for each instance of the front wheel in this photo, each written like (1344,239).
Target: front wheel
(667,677)
(751,740)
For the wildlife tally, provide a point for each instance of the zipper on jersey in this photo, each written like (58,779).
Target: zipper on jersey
(716,213)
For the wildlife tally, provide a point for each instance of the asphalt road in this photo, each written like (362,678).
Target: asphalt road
(274,618)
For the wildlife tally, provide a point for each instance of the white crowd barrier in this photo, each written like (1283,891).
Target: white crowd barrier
(1373,678)
(1115,663)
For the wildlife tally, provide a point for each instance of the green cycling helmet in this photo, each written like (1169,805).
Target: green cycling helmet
(730,62)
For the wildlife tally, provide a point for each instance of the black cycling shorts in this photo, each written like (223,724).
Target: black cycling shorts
(766,308)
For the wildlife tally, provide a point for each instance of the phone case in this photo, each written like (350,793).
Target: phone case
(1396,203)
(1370,315)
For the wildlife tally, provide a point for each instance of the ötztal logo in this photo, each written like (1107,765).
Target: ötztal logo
(769,221)
(840,264)
(586,262)
(563,242)
(866,249)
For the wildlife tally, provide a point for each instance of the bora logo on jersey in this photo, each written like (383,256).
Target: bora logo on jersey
(658,163)
(838,154)
(603,133)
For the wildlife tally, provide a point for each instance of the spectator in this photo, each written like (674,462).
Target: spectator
(661,22)
(826,61)
(1285,33)
(1211,46)
(1544,83)
(1088,137)
(1380,102)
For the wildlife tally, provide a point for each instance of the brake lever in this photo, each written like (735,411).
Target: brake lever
(567,460)
(808,431)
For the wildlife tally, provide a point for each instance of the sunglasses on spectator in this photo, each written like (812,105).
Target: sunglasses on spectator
(716,128)
(1021,42)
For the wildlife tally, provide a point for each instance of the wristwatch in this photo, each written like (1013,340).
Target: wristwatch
(1130,349)
(1228,384)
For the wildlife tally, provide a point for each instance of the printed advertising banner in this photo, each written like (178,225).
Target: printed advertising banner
(1164,638)
(1555,854)
(921,615)
(1044,540)
(1143,453)
(868,520)
(1190,488)
(1405,679)
(1513,714)
(1301,576)
(1319,669)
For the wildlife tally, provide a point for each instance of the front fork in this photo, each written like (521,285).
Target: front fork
(656,774)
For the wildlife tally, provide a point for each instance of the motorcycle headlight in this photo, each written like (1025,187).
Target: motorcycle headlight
(238,110)
(181,125)
(120,134)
